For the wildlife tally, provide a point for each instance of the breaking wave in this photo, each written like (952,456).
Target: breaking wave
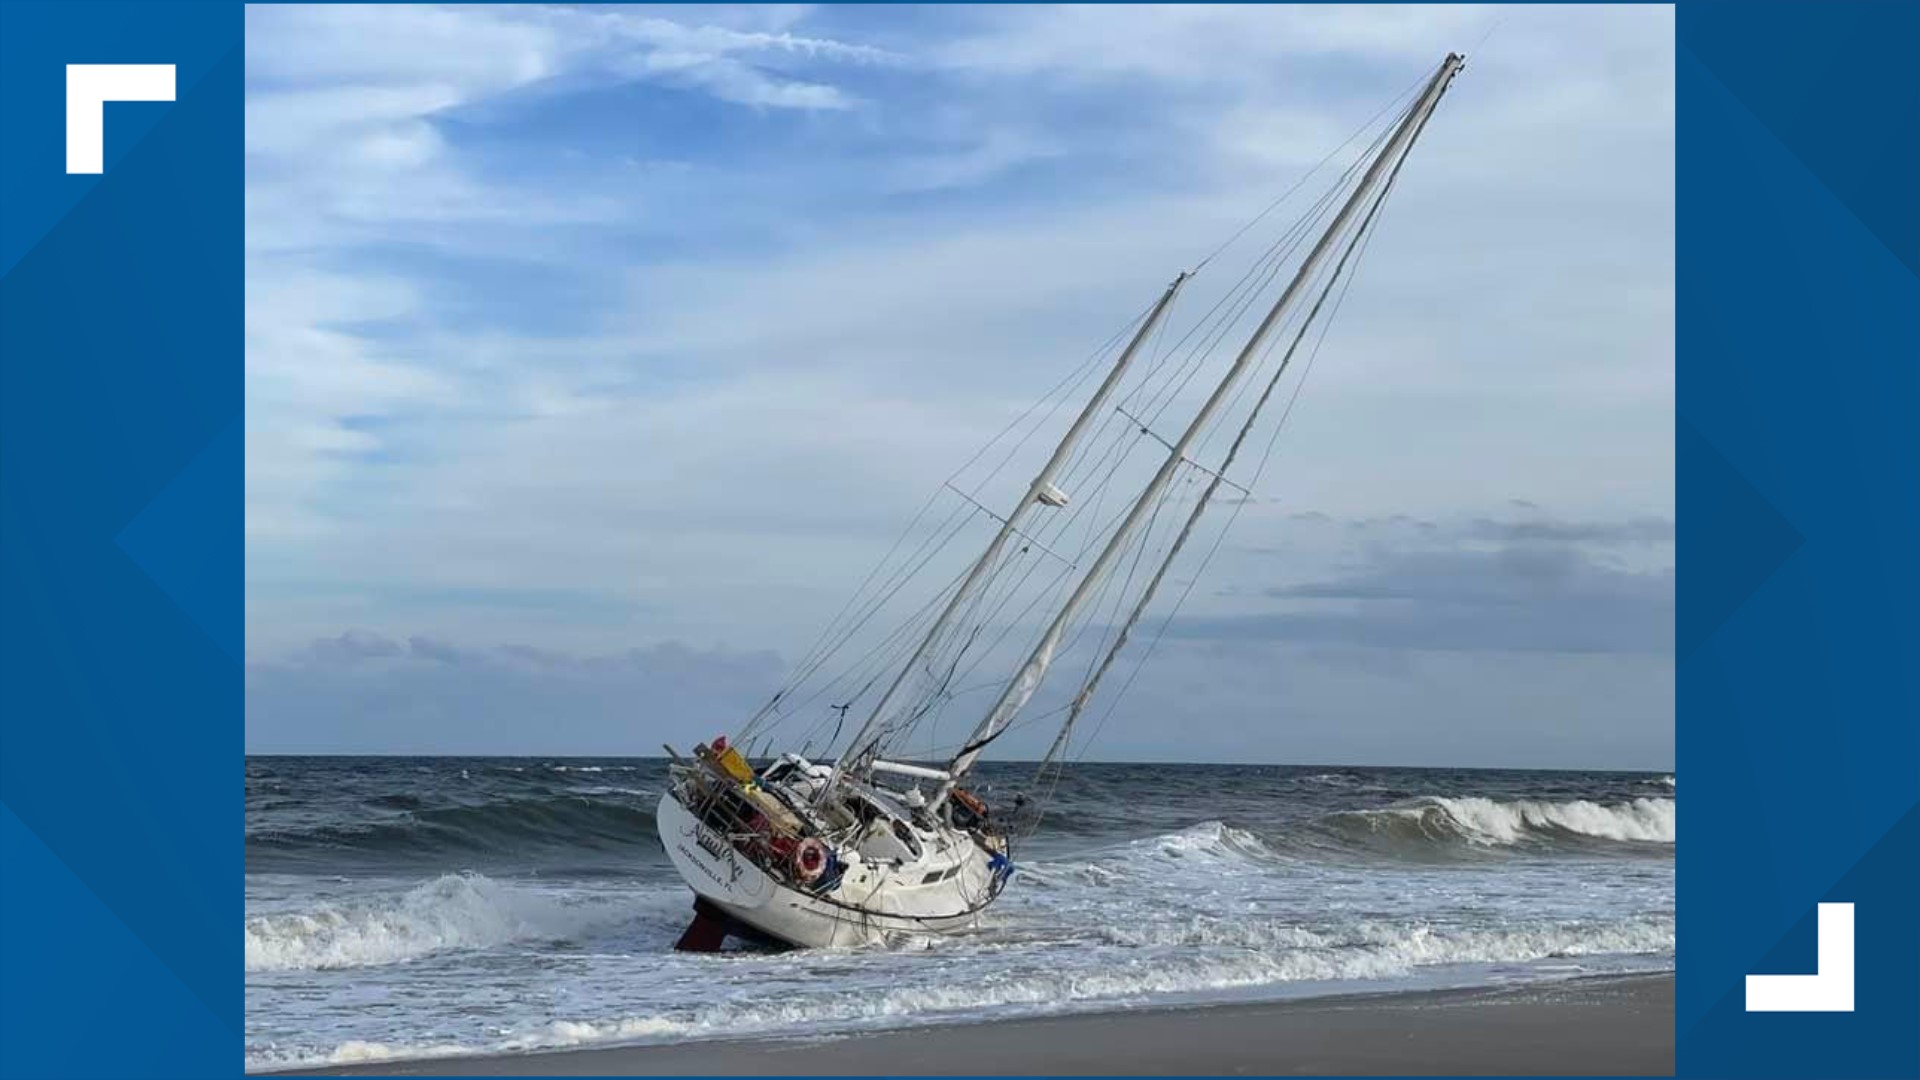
(457,911)
(1491,823)
(1369,951)
(1209,844)
(1199,883)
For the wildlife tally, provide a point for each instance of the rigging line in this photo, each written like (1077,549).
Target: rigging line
(1214,430)
(1001,588)
(808,658)
(1203,351)
(1020,444)
(1212,326)
(1364,239)
(808,662)
(1238,299)
(1272,206)
(1133,569)
(1158,339)
(1017,532)
(1108,594)
(920,694)
(1119,445)
(878,659)
(1003,592)
(1245,388)
(1141,545)
(1098,597)
(907,569)
(1070,475)
(1160,352)
(889,649)
(945,534)
(1079,378)
(1156,508)
(1356,243)
(1007,627)
(1085,451)
(1006,596)
(914,620)
(1220,424)
(1041,493)
(1219,427)
(1079,373)
(1022,722)
(1492,25)
(933,698)
(1299,232)
(1191,460)
(1086,510)
(1253,281)
(1220,537)
(1107,638)
(1051,589)
(956,520)
(1296,231)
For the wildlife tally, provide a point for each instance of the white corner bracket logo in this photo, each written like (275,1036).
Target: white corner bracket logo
(1828,989)
(89,88)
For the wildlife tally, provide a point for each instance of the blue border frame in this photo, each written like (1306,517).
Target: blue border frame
(1799,526)
(121,551)
(121,379)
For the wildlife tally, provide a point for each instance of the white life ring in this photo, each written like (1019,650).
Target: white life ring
(810,860)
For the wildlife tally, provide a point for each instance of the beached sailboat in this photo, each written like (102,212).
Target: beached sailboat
(869,847)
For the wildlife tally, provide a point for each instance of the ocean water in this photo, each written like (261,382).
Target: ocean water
(410,907)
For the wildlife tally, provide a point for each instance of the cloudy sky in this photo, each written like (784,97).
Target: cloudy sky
(594,354)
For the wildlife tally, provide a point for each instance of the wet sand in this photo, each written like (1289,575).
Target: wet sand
(1598,1026)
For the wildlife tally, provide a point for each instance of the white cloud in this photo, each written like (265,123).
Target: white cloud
(344,150)
(1204,42)
(755,359)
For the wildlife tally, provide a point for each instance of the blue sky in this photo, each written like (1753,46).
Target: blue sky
(594,354)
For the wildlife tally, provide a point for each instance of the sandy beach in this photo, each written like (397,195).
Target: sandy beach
(1596,1026)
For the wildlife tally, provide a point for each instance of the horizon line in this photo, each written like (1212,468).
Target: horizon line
(1003,761)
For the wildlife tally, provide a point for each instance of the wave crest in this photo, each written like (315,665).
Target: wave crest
(456,911)
(1493,823)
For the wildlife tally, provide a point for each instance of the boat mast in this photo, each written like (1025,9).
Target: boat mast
(1040,491)
(1147,594)
(1027,679)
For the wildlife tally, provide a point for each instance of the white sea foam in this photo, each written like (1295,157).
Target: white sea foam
(457,911)
(1258,957)
(357,1051)
(1197,913)
(1214,845)
(1209,839)
(1487,821)
(1648,820)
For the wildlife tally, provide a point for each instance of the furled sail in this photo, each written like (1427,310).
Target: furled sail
(1042,492)
(1027,679)
(1218,477)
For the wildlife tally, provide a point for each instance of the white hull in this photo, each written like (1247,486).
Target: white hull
(872,903)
